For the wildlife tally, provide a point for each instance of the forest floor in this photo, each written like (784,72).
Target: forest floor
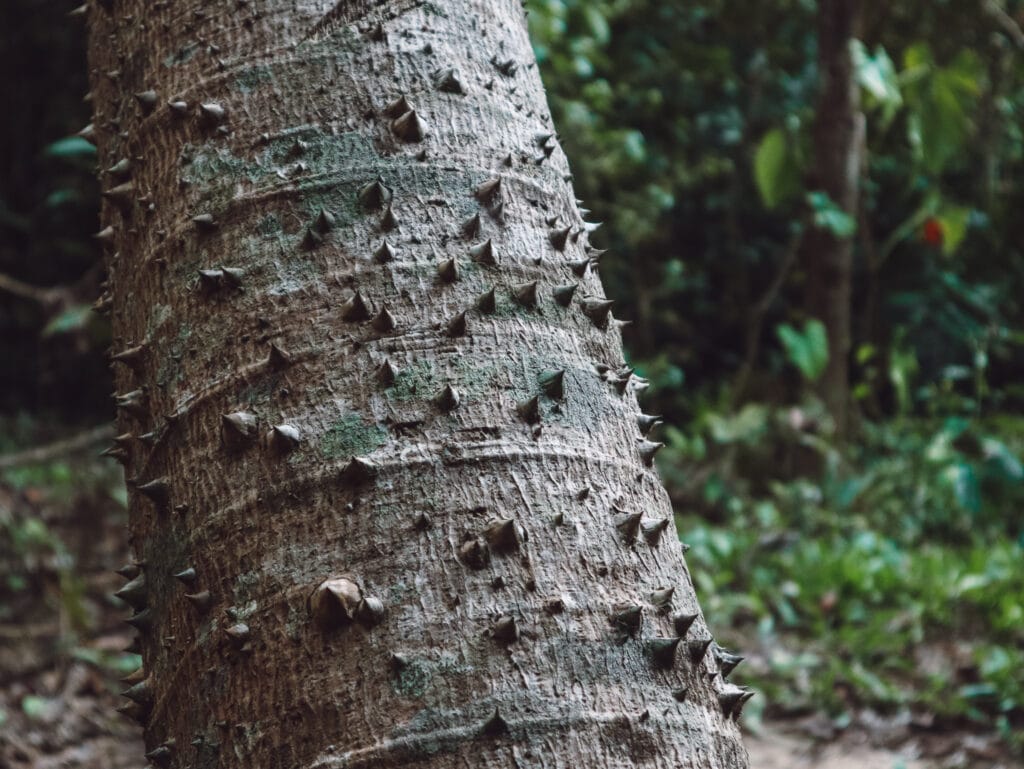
(62,636)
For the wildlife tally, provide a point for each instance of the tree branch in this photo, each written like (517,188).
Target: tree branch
(60,448)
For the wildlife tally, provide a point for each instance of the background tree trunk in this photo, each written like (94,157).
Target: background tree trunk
(838,145)
(393,461)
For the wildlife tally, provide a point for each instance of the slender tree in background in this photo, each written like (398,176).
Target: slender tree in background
(838,139)
(392,496)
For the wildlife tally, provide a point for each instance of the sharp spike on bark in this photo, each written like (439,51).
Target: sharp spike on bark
(386,374)
(141,621)
(504,629)
(474,553)
(647,422)
(628,618)
(457,326)
(628,525)
(421,522)
(552,383)
(598,310)
(398,107)
(682,622)
(178,107)
(501,535)
(483,253)
(525,294)
(592,226)
(325,221)
(374,195)
(140,692)
(621,383)
(133,711)
(662,597)
(211,280)
(388,221)
(495,725)
(732,698)
(384,321)
(80,12)
(558,237)
(486,303)
(233,276)
(136,676)
(506,67)
(653,530)
(186,576)
(409,127)
(133,403)
(488,191)
(278,358)
(311,239)
(105,236)
(497,212)
(355,310)
(698,648)
(529,410)
(448,270)
(204,222)
(88,133)
(507,160)
(238,634)
(134,593)
(579,267)
(662,651)
(679,695)
(158,491)
(117,454)
(563,294)
(129,571)
(727,661)
(447,80)
(147,101)
(447,399)
(213,113)
(239,426)
(160,756)
(284,438)
(471,227)
(648,449)
(122,168)
(201,601)
(131,357)
(384,253)
(358,472)
(335,602)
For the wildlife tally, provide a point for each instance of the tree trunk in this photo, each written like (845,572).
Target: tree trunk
(390,498)
(838,142)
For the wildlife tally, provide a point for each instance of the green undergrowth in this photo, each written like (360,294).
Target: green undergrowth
(891,580)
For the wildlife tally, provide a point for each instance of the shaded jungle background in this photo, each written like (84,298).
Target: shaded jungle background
(854,517)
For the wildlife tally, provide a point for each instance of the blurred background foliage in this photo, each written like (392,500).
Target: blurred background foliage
(877,568)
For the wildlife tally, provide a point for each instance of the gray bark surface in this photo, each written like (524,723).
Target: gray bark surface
(402,537)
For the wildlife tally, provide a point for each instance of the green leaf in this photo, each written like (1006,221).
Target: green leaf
(829,216)
(876,74)
(72,318)
(71,147)
(807,350)
(954,221)
(775,170)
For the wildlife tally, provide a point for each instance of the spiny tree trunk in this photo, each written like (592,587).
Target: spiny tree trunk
(391,497)
(838,142)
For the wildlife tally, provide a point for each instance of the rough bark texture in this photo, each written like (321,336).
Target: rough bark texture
(400,557)
(838,150)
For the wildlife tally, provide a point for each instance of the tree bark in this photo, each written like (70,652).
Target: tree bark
(838,141)
(374,409)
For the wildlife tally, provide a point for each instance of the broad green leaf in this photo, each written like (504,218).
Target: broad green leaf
(954,221)
(876,74)
(775,169)
(70,147)
(829,216)
(806,349)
